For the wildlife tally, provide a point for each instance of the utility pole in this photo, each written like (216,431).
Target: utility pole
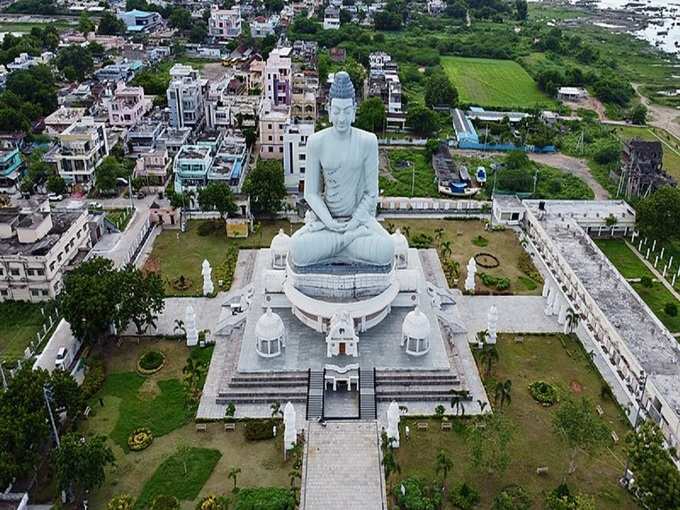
(47,393)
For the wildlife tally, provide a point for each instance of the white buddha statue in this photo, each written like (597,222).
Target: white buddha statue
(341,189)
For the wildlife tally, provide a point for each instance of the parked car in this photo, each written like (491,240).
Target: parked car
(53,197)
(64,359)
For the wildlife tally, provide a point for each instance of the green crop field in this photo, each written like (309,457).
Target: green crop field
(494,83)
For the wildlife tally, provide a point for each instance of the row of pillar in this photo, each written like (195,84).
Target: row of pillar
(555,303)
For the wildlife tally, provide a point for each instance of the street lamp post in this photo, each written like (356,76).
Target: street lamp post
(47,393)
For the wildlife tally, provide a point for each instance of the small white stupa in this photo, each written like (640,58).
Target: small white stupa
(190,326)
(270,334)
(492,326)
(400,249)
(279,248)
(393,418)
(471,273)
(416,332)
(206,271)
(290,430)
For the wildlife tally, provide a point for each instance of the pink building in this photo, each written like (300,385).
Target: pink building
(224,23)
(128,105)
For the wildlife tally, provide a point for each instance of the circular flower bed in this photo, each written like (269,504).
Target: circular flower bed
(140,439)
(487,260)
(543,392)
(181,283)
(150,362)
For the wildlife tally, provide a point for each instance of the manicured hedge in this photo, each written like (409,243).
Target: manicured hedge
(265,498)
(260,430)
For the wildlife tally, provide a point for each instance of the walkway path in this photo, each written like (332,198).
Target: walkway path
(342,467)
(656,273)
(663,117)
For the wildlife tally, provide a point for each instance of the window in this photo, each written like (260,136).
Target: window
(271,149)
(59,257)
(52,266)
(40,272)
(2,271)
(35,292)
(4,292)
(14,271)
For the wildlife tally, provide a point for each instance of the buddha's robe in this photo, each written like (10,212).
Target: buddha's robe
(341,185)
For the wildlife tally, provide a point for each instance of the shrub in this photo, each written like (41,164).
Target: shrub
(264,498)
(671,309)
(646,282)
(480,241)
(526,265)
(94,379)
(543,392)
(151,360)
(512,497)
(503,283)
(213,503)
(122,502)
(258,430)
(421,240)
(439,411)
(165,503)
(464,497)
(419,495)
(206,228)
(140,439)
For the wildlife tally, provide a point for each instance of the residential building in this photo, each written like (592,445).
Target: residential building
(435,7)
(141,21)
(128,106)
(191,166)
(272,126)
(231,161)
(295,138)
(571,94)
(331,18)
(255,75)
(224,23)
(304,97)
(173,139)
(11,168)
(154,167)
(82,147)
(641,171)
(277,77)
(186,93)
(25,61)
(261,27)
(223,109)
(305,52)
(36,248)
(144,136)
(57,121)
(383,81)
(123,71)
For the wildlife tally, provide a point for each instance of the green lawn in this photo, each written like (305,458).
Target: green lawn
(494,83)
(181,253)
(19,323)
(406,168)
(656,298)
(156,403)
(119,217)
(535,442)
(628,264)
(183,475)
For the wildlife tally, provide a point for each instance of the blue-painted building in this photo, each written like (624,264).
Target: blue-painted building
(140,21)
(11,169)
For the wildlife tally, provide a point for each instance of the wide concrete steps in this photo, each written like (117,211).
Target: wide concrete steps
(258,388)
(315,395)
(417,385)
(367,408)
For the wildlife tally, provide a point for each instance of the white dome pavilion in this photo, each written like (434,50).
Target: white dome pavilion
(279,247)
(415,333)
(270,334)
(400,249)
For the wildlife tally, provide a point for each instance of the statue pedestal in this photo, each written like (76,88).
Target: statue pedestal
(340,282)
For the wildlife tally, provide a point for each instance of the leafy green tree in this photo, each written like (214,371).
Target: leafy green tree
(199,31)
(488,356)
(107,173)
(371,115)
(658,212)
(521,9)
(33,90)
(580,426)
(85,24)
(517,160)
(639,115)
(180,18)
(89,297)
(503,393)
(657,480)
(417,494)
(141,298)
(217,196)
(513,497)
(443,465)
(561,498)
(56,184)
(75,62)
(80,462)
(489,443)
(386,20)
(422,120)
(110,24)
(266,187)
(440,91)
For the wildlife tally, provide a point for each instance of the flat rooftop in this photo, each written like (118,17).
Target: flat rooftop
(61,222)
(655,349)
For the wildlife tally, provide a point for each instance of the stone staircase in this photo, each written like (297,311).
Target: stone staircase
(261,388)
(417,385)
(367,408)
(315,395)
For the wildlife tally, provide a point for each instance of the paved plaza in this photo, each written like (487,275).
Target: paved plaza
(342,467)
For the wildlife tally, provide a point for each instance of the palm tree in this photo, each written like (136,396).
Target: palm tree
(481,337)
(457,404)
(572,320)
(438,235)
(294,475)
(179,326)
(389,226)
(406,230)
(193,372)
(502,393)
(482,406)
(445,248)
(276,408)
(443,466)
(489,357)
(233,474)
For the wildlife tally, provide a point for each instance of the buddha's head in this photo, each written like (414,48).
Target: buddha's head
(342,106)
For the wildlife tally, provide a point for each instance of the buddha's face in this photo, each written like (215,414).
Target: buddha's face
(342,113)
